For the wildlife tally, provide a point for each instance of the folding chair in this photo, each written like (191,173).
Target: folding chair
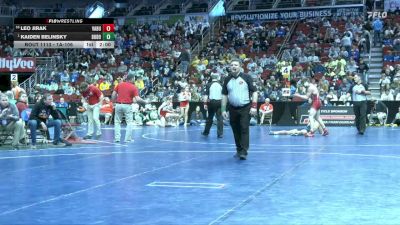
(42,135)
(378,114)
(5,137)
(67,128)
(267,117)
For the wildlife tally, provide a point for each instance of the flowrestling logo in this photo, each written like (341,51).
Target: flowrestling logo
(23,65)
(377,14)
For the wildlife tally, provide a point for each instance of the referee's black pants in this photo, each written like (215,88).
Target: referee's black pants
(360,111)
(240,122)
(214,108)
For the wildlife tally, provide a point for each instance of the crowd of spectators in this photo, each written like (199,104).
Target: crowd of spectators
(390,76)
(330,50)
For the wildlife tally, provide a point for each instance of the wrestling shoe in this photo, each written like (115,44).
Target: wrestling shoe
(309,134)
(325,133)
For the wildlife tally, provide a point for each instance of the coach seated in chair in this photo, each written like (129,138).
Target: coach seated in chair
(266,111)
(378,113)
(10,121)
(106,110)
(39,117)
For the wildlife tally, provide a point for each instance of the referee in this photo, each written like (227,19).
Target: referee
(239,91)
(359,92)
(212,103)
(125,94)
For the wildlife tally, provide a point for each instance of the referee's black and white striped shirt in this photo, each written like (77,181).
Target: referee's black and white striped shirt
(214,90)
(238,89)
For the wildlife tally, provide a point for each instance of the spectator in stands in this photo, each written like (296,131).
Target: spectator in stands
(122,68)
(93,97)
(197,117)
(355,54)
(84,64)
(10,120)
(396,119)
(384,83)
(61,103)
(64,78)
(396,45)
(362,69)
(104,85)
(40,117)
(139,83)
(286,56)
(378,28)
(352,66)
(16,90)
(266,109)
(331,97)
(388,32)
(255,73)
(344,53)
(333,52)
(60,90)
(11,98)
(346,42)
(271,61)
(22,103)
(8,50)
(167,73)
(106,110)
(307,72)
(185,60)
(387,95)
(313,58)
(303,58)
(296,52)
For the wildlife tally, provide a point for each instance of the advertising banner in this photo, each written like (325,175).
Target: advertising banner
(391,5)
(21,65)
(196,18)
(296,13)
(154,19)
(331,115)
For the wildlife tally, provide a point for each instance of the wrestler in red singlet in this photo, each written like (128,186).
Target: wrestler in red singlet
(316,102)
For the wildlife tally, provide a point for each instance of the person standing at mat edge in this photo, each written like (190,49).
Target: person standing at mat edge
(125,94)
(359,92)
(239,91)
(212,103)
(93,98)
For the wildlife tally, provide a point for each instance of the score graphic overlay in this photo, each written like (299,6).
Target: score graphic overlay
(64,33)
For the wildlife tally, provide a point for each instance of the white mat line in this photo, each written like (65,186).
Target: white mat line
(146,136)
(109,143)
(258,192)
(43,166)
(204,151)
(186,185)
(64,196)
